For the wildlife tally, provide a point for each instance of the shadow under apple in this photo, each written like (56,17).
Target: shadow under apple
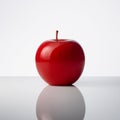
(60,103)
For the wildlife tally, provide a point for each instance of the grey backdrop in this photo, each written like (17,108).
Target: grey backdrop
(24,24)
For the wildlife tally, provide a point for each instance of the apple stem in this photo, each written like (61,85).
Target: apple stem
(56,35)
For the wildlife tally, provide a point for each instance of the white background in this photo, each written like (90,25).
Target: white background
(24,24)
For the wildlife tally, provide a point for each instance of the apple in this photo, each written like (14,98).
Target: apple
(60,103)
(60,61)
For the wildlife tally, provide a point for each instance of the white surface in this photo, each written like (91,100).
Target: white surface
(19,97)
(24,24)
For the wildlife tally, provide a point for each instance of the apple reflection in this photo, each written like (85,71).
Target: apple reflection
(60,103)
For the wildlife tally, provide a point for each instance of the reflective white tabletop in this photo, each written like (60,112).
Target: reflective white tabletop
(30,98)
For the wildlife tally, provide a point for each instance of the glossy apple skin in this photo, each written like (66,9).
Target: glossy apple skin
(60,62)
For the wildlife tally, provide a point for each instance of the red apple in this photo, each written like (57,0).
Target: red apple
(60,61)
